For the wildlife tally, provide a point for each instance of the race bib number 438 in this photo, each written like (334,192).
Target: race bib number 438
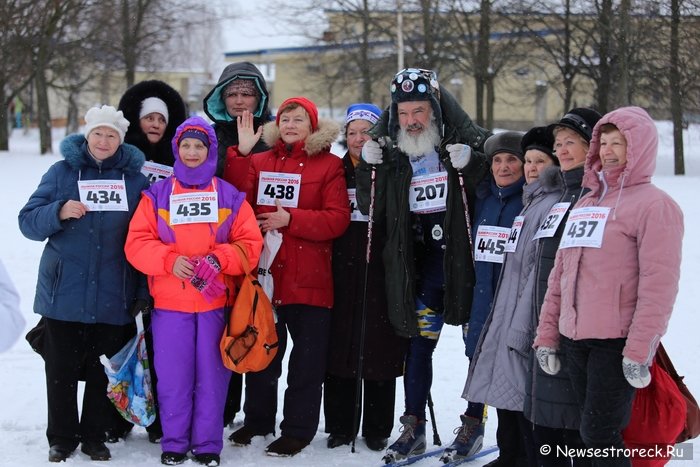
(585,228)
(274,186)
(103,195)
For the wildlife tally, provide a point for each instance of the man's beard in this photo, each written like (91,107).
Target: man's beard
(420,144)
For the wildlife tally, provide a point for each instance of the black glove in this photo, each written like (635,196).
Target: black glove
(141,305)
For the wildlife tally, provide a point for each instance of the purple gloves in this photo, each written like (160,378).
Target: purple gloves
(204,278)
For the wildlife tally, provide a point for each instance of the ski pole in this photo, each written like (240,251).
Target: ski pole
(436,436)
(363,319)
(463,191)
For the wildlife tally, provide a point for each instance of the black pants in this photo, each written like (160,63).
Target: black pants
(72,352)
(604,395)
(377,409)
(558,437)
(309,328)
(512,436)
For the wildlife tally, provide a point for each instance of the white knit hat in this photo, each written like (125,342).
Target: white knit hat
(154,104)
(106,116)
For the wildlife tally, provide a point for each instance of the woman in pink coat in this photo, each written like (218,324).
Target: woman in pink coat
(615,279)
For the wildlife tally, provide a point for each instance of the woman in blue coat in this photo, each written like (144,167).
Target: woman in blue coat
(499,200)
(86,288)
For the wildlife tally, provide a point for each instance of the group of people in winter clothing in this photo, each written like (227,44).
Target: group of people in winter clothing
(551,248)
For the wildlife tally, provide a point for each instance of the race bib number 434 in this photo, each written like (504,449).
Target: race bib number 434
(274,186)
(585,227)
(103,195)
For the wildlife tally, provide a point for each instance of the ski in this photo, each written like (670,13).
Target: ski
(482,453)
(437,452)
(416,458)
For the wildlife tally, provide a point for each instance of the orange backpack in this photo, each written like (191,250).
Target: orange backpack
(250,339)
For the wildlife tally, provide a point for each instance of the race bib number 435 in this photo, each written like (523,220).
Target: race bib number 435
(103,195)
(585,227)
(195,207)
(274,186)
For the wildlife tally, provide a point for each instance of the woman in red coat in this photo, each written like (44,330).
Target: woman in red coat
(298,189)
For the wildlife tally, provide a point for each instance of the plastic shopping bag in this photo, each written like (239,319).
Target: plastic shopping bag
(271,245)
(129,380)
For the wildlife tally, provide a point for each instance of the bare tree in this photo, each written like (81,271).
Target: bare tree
(16,23)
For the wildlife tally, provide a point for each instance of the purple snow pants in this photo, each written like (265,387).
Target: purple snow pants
(192,380)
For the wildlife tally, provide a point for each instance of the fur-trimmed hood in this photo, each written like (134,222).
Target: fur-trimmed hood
(130,105)
(74,149)
(315,143)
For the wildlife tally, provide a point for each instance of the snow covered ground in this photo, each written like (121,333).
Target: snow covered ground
(23,414)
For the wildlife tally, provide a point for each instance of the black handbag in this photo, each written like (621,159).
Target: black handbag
(35,336)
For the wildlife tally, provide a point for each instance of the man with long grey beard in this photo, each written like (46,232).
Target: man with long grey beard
(419,173)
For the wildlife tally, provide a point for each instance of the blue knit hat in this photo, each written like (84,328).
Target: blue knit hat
(369,112)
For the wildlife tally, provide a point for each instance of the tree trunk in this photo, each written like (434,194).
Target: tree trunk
(72,123)
(604,79)
(676,102)
(365,71)
(43,112)
(4,123)
(622,96)
(490,101)
(482,61)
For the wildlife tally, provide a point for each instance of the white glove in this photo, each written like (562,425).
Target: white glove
(548,360)
(372,152)
(635,373)
(460,154)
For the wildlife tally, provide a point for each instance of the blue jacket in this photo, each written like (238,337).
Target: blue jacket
(497,207)
(83,274)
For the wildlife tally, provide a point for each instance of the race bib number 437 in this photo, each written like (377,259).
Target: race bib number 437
(103,195)
(274,186)
(585,227)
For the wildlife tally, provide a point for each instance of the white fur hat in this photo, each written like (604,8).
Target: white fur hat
(106,116)
(153,104)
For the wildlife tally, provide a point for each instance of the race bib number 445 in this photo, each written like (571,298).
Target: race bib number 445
(103,195)
(491,243)
(281,186)
(585,227)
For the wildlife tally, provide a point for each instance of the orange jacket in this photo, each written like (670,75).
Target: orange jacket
(153,256)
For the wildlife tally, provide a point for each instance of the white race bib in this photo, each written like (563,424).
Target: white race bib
(103,195)
(549,225)
(278,186)
(585,227)
(355,214)
(194,207)
(156,172)
(428,193)
(491,243)
(512,242)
